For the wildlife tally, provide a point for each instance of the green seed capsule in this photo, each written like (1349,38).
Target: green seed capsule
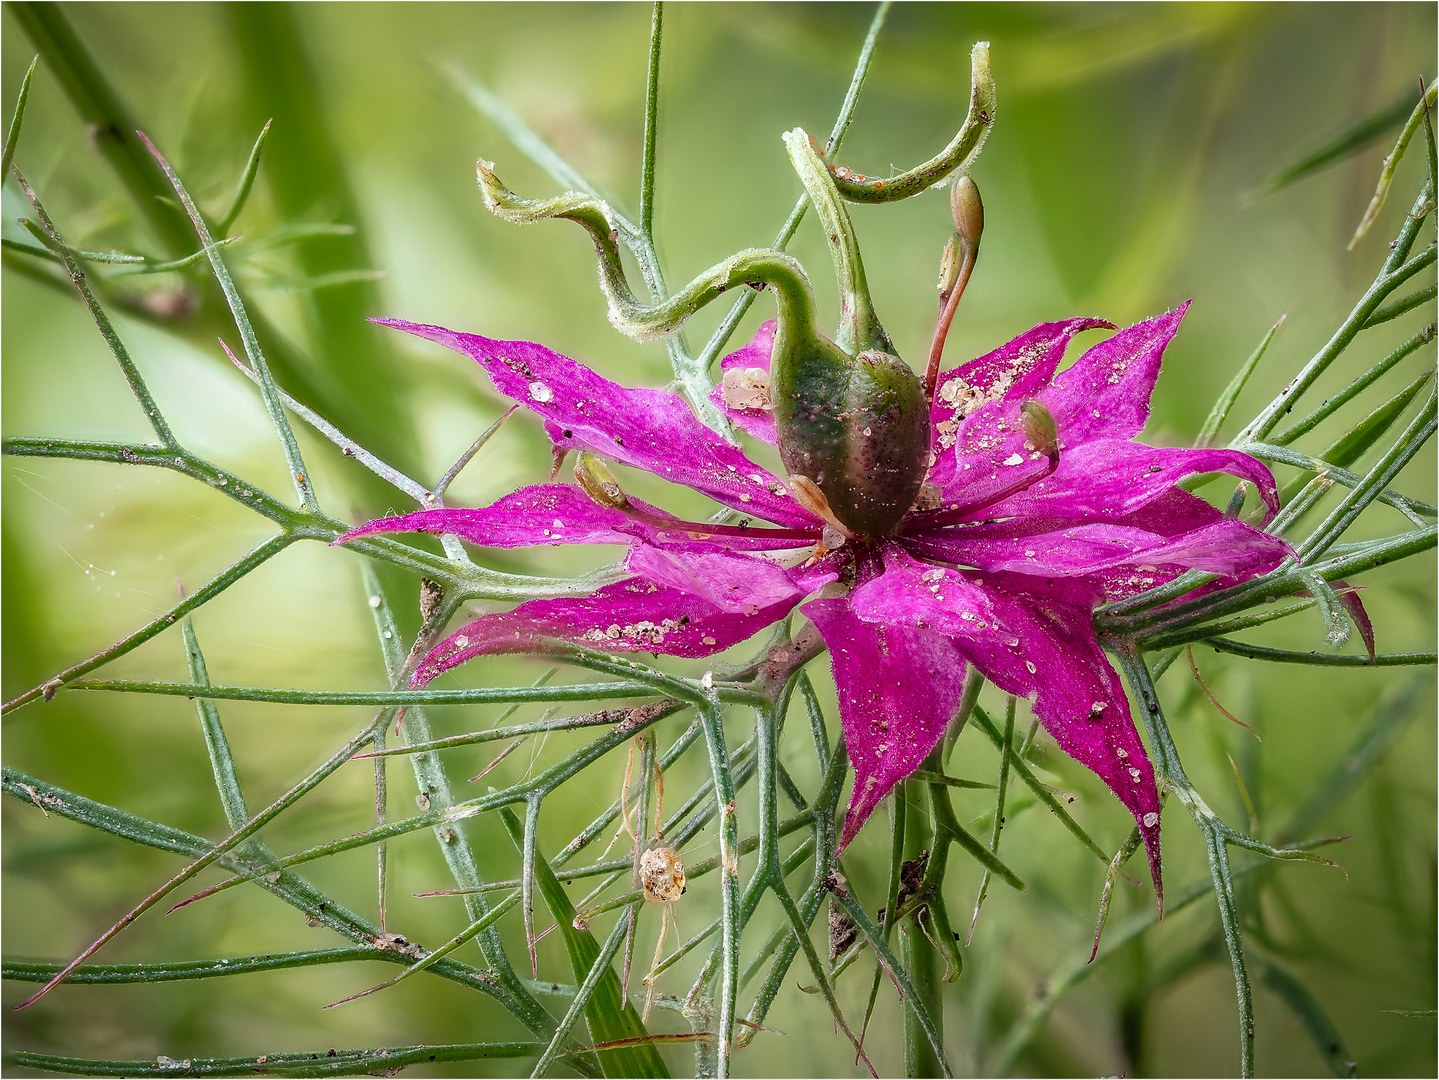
(858,427)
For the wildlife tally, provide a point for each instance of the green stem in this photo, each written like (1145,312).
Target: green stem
(1345,561)
(1285,656)
(186,970)
(434,789)
(102,321)
(459,578)
(1331,405)
(1023,771)
(1220,412)
(291,888)
(958,155)
(1402,306)
(235,839)
(724,792)
(247,181)
(1006,754)
(732,318)
(1420,429)
(320,1063)
(222,761)
(914,1003)
(628,315)
(213,588)
(859,326)
(1080,967)
(1394,273)
(99,105)
(1391,162)
(652,105)
(304,488)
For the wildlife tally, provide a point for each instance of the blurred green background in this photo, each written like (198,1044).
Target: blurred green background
(1117,182)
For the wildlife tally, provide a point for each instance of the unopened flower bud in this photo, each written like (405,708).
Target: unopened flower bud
(1039,428)
(949,266)
(968,211)
(594,476)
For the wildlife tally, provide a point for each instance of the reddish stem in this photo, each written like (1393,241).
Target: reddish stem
(946,317)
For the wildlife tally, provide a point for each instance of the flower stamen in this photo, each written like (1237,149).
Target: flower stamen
(596,480)
(1042,434)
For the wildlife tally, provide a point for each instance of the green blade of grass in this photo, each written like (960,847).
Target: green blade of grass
(1220,412)
(609,1017)
(246,183)
(12,138)
(1346,144)
(1386,174)
(320,1063)
(1312,1018)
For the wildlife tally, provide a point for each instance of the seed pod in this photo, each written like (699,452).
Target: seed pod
(662,874)
(856,426)
(967,209)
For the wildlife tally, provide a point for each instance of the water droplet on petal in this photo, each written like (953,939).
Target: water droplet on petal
(540,392)
(1151,819)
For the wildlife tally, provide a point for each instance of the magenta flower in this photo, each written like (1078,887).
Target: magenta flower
(1016,537)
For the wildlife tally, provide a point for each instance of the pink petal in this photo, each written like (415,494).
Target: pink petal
(732,583)
(898,686)
(1039,647)
(1105,395)
(1015,371)
(754,421)
(1107,478)
(1174,512)
(1226,547)
(972,397)
(646,429)
(555,514)
(628,616)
